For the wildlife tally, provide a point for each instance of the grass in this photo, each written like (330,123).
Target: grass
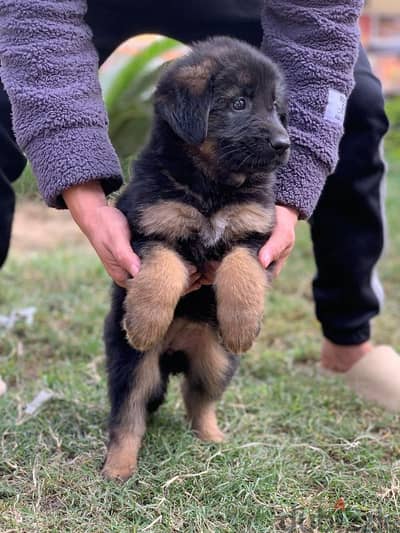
(301,450)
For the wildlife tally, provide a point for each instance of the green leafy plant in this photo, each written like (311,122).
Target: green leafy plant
(127,91)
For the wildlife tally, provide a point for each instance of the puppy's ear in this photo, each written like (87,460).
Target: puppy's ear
(183,99)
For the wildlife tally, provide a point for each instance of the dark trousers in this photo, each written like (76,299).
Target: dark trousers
(347,226)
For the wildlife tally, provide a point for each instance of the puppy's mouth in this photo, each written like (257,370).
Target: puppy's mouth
(258,161)
(271,163)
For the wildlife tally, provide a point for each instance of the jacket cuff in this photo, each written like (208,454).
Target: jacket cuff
(72,157)
(300,182)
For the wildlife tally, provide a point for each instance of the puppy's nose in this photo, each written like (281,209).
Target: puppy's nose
(280,144)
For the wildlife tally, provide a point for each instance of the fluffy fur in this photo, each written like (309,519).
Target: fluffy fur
(202,191)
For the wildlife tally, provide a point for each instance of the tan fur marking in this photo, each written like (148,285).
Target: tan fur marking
(174,220)
(237,178)
(208,150)
(200,343)
(201,414)
(204,157)
(122,453)
(242,219)
(121,457)
(195,77)
(152,297)
(147,377)
(235,222)
(208,362)
(240,285)
(244,78)
(171,220)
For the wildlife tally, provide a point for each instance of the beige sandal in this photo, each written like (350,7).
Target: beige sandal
(375,377)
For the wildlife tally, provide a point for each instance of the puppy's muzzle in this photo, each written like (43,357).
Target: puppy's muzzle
(280,144)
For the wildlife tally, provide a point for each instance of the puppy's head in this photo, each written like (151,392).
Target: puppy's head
(227,102)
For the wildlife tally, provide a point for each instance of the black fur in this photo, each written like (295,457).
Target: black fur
(172,166)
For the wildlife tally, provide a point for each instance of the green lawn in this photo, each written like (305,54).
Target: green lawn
(297,442)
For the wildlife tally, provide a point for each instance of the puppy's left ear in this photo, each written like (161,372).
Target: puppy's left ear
(183,100)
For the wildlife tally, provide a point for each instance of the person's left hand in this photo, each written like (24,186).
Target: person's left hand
(278,247)
(274,252)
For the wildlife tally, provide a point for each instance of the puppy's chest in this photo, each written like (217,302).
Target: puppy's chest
(174,221)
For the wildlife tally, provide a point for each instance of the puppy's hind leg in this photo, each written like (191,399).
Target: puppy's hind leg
(153,295)
(210,370)
(128,417)
(134,383)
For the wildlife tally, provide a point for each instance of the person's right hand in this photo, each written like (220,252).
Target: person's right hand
(108,232)
(106,228)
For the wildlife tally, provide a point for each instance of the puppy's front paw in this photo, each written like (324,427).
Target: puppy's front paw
(240,287)
(238,328)
(152,296)
(146,325)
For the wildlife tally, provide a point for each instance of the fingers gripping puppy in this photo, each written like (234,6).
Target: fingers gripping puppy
(202,191)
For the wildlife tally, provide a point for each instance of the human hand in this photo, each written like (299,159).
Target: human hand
(109,235)
(276,250)
(278,247)
(274,253)
(108,232)
(106,228)
(194,282)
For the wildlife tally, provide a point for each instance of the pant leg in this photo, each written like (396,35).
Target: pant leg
(347,227)
(12,163)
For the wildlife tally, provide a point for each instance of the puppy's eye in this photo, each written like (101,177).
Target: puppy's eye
(239,104)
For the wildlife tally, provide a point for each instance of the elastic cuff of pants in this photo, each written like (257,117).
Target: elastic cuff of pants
(350,337)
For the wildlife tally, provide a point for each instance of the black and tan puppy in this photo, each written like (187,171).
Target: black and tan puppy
(202,191)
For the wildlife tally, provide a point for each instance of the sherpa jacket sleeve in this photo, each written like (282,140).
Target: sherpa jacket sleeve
(316,44)
(49,68)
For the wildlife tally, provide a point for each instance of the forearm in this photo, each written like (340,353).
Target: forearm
(316,44)
(49,70)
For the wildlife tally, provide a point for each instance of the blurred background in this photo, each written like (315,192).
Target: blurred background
(380,29)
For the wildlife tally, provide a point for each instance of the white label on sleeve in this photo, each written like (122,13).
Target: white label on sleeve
(336,107)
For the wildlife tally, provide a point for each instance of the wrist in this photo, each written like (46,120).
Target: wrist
(290,213)
(82,200)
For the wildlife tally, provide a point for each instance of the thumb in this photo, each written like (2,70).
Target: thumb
(129,261)
(267,253)
(124,256)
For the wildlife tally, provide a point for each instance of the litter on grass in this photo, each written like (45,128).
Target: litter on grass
(26,314)
(39,400)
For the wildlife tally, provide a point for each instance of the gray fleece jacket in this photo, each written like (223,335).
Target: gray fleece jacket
(49,68)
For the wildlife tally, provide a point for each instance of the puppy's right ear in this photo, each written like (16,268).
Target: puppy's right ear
(183,100)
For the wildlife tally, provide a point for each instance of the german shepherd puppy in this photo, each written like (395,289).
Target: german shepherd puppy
(202,191)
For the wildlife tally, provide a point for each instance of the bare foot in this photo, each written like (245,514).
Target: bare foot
(340,358)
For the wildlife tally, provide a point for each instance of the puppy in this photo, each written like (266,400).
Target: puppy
(202,191)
